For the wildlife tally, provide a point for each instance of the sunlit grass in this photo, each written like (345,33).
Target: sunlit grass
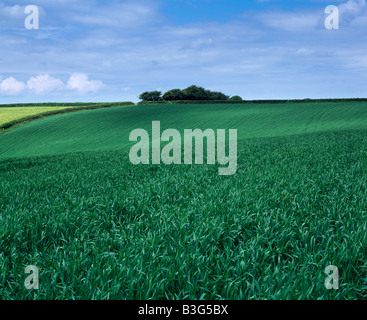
(15,113)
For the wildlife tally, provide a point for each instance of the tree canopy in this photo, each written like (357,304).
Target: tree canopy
(235,98)
(151,96)
(190,93)
(173,95)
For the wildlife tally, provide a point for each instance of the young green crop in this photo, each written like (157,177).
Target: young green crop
(100,228)
(109,128)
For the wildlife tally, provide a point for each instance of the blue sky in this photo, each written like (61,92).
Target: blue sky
(92,50)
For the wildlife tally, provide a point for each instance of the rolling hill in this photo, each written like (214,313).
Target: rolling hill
(109,129)
(98,227)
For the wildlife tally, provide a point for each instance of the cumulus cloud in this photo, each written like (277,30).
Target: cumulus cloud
(81,83)
(44,84)
(11,86)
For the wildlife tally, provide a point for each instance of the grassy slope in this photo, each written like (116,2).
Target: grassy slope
(99,227)
(108,129)
(15,113)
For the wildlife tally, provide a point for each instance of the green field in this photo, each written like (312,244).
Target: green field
(15,113)
(109,129)
(100,228)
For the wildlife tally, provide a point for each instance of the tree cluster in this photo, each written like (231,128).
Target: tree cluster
(190,93)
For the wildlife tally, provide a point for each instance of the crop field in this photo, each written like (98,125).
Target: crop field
(98,227)
(15,113)
(109,128)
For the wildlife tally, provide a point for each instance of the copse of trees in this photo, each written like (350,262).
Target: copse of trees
(151,96)
(192,93)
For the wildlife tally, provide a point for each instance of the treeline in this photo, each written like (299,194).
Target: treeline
(232,100)
(192,93)
(307,100)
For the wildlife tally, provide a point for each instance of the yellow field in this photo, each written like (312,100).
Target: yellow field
(14,113)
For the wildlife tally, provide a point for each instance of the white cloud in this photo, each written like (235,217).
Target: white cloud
(81,83)
(13,12)
(12,16)
(11,86)
(352,7)
(44,84)
(353,12)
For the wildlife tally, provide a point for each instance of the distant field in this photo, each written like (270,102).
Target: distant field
(15,113)
(109,128)
(100,228)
